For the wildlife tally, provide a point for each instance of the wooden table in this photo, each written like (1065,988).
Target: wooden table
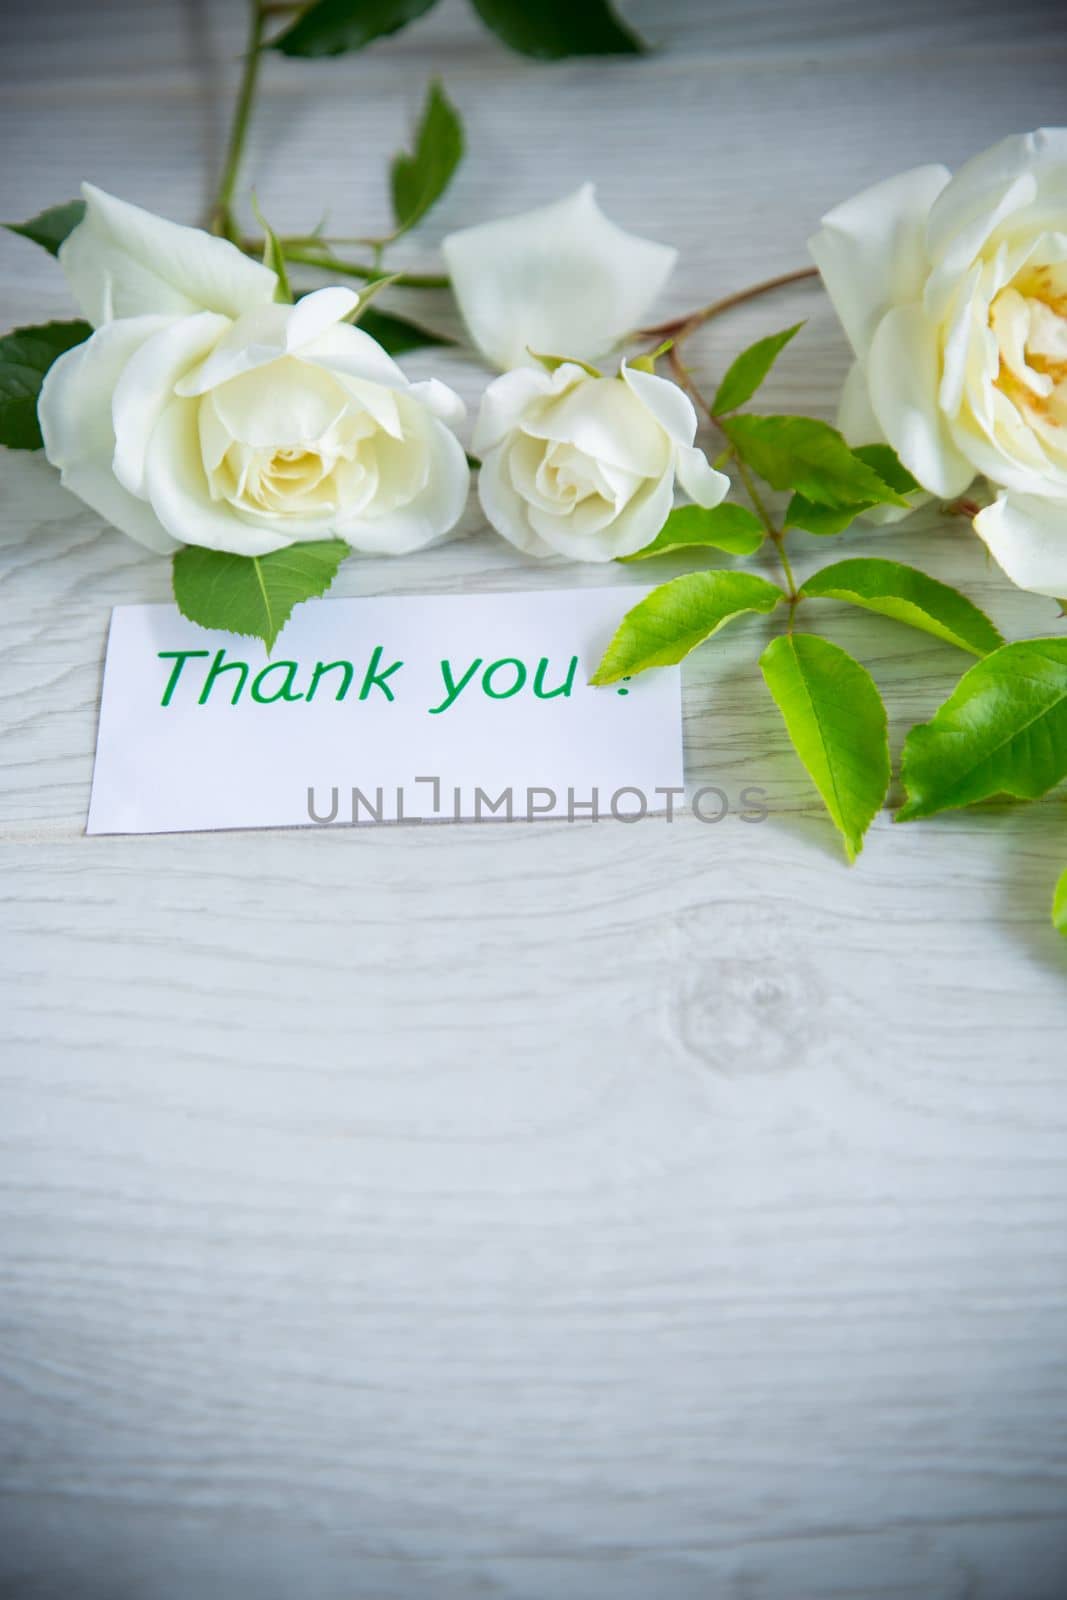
(538,1211)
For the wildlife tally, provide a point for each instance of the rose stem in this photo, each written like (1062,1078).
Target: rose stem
(357,269)
(679,328)
(222,219)
(685,378)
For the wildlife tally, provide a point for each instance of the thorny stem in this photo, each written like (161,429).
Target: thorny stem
(777,535)
(679,328)
(222,218)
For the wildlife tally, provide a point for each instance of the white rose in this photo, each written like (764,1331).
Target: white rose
(563,279)
(200,412)
(584,466)
(953,294)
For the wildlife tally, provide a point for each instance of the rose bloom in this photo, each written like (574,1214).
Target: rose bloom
(201,412)
(585,466)
(953,294)
(573,463)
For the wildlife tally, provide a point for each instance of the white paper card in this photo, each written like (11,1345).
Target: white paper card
(430,707)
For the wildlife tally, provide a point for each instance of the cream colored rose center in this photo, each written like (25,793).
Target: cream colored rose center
(560,479)
(1028,320)
(293,441)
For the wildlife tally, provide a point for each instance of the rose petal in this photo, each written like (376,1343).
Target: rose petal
(958,251)
(444,403)
(351,351)
(855,414)
(871,251)
(507,398)
(1027,537)
(178,490)
(433,512)
(631,530)
(503,508)
(121,261)
(146,387)
(903,372)
(295,408)
(604,418)
(1015,173)
(670,405)
(704,485)
(315,312)
(561,280)
(75,413)
(267,333)
(254,340)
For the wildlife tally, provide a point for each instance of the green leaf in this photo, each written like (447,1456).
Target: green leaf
(888,465)
(25,356)
(553,29)
(835,717)
(726,527)
(826,520)
(331,27)
(252,594)
(1002,730)
(1059,906)
(663,627)
(821,520)
(910,596)
(50,228)
(807,455)
(397,335)
(746,374)
(420,179)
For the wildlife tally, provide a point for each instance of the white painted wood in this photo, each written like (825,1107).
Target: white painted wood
(542,1212)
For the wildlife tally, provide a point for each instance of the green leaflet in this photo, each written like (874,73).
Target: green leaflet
(252,594)
(835,718)
(553,29)
(823,521)
(726,527)
(888,465)
(331,27)
(25,356)
(1002,730)
(421,178)
(744,376)
(907,595)
(663,627)
(1059,905)
(811,457)
(549,29)
(50,228)
(827,520)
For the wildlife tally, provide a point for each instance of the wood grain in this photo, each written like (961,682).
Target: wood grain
(537,1212)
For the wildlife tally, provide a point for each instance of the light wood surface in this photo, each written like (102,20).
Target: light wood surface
(546,1212)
